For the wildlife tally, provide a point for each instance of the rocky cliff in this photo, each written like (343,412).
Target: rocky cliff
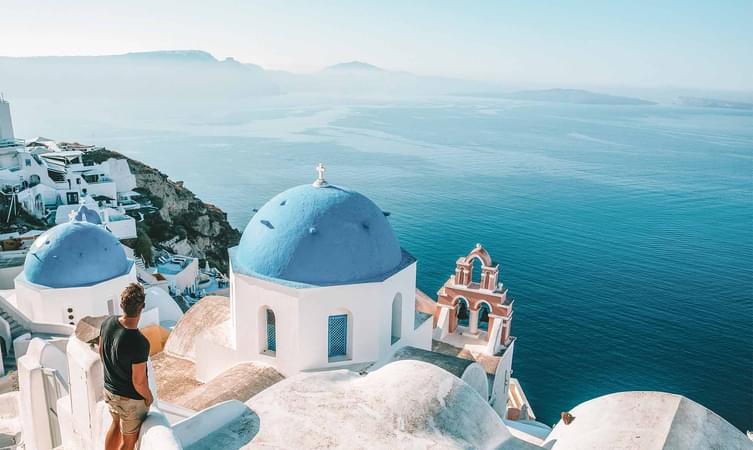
(182,223)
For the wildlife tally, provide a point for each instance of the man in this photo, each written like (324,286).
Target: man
(124,352)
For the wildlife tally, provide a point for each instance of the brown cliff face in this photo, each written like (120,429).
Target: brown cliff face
(182,223)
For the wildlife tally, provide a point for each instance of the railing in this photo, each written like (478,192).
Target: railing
(31,326)
(15,313)
(6,143)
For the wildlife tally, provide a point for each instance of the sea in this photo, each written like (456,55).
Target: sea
(624,233)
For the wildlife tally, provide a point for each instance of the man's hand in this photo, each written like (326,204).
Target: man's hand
(141,382)
(149,400)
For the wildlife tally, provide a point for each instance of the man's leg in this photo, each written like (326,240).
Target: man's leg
(129,440)
(114,439)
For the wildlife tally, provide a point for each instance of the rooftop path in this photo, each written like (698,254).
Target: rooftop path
(488,362)
(177,383)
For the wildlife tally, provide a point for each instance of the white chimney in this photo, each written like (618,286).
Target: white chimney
(6,125)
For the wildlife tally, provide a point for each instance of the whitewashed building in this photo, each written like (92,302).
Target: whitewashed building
(319,281)
(43,174)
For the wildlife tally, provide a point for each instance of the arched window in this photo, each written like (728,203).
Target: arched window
(476,270)
(397,318)
(462,312)
(483,316)
(337,336)
(271,331)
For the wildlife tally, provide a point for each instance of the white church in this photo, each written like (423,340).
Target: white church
(324,342)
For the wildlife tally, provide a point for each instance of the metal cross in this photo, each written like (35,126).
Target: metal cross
(320,181)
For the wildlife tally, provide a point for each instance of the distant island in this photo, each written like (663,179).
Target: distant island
(575,96)
(354,66)
(712,103)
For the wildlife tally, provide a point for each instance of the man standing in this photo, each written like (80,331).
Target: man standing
(124,352)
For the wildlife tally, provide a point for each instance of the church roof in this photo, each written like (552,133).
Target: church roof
(405,404)
(647,420)
(75,254)
(319,235)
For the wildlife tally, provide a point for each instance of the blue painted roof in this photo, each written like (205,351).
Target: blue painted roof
(319,236)
(75,254)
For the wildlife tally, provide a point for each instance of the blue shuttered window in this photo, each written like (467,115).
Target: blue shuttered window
(337,332)
(271,332)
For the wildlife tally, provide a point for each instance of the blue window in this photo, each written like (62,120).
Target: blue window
(337,333)
(271,332)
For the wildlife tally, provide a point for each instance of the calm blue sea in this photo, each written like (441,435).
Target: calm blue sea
(624,233)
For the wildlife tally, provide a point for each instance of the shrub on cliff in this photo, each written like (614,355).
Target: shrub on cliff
(143,247)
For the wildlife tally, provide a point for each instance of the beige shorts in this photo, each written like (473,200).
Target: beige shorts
(131,412)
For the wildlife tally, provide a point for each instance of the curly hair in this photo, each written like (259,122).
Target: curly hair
(132,300)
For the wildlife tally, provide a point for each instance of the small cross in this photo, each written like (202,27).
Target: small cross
(320,182)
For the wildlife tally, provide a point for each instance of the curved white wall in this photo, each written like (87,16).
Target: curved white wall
(475,376)
(47,305)
(169,311)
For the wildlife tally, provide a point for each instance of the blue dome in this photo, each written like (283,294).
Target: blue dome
(75,254)
(321,236)
(85,214)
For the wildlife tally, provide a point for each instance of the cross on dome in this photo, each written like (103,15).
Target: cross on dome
(320,182)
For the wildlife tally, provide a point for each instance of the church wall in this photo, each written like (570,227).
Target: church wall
(420,337)
(500,388)
(249,296)
(47,305)
(301,317)
(370,309)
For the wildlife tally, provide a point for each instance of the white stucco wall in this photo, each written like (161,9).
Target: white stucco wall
(301,316)
(169,311)
(121,174)
(475,376)
(43,304)
(37,395)
(500,389)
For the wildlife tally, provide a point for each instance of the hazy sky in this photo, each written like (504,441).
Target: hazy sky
(707,44)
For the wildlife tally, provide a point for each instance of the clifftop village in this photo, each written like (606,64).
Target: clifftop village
(315,337)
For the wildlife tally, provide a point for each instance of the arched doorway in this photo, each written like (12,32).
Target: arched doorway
(463,312)
(476,265)
(483,316)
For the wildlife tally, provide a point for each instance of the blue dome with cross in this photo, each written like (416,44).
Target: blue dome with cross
(319,234)
(75,254)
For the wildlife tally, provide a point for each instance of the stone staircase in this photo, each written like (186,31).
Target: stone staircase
(16,330)
(143,272)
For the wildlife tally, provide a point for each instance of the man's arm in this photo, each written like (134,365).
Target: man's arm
(100,348)
(141,382)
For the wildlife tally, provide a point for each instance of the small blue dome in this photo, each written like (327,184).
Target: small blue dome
(85,214)
(319,235)
(75,254)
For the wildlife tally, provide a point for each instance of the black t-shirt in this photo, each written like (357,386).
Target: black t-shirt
(122,347)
